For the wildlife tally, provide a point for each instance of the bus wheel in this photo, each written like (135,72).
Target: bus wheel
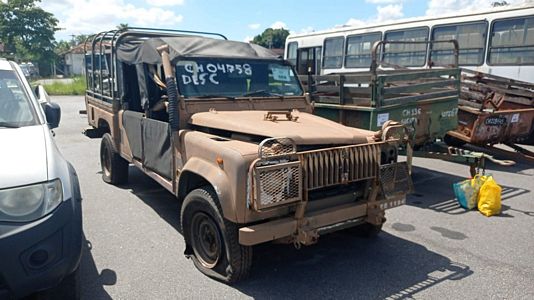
(212,240)
(114,167)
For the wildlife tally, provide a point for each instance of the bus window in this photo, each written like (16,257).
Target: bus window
(512,42)
(406,55)
(333,53)
(318,59)
(358,52)
(292,53)
(471,40)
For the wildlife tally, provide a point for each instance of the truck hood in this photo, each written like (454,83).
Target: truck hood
(308,129)
(22,156)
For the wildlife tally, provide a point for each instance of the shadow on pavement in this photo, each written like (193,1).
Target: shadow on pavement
(155,196)
(433,190)
(93,281)
(343,266)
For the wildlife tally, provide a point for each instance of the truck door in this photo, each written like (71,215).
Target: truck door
(148,137)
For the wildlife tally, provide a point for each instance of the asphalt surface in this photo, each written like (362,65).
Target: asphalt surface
(429,249)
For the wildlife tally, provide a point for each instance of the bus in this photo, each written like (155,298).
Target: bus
(497,41)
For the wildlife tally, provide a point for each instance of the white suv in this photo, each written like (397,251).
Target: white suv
(40,202)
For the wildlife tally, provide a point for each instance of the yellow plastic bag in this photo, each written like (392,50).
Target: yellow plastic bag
(489,198)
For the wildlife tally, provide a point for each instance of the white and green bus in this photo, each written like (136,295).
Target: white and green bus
(498,41)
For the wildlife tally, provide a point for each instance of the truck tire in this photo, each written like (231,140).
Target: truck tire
(369,230)
(452,141)
(212,240)
(114,167)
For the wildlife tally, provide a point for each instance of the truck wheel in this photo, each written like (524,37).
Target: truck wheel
(452,141)
(212,241)
(369,230)
(114,167)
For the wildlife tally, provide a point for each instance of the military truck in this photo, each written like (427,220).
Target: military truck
(226,127)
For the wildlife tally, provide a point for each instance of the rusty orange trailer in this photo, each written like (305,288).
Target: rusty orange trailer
(494,110)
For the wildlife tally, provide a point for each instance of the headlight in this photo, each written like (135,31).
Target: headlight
(388,154)
(273,147)
(27,203)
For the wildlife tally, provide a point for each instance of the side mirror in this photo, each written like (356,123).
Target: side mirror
(53,114)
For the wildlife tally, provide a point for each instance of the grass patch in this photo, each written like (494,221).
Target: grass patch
(76,87)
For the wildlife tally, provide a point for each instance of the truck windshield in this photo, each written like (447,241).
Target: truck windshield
(15,107)
(222,77)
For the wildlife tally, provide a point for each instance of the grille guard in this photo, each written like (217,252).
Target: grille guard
(276,184)
(283,179)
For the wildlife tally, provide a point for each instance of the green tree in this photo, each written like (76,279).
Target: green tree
(122,26)
(272,38)
(499,3)
(80,38)
(27,31)
(62,47)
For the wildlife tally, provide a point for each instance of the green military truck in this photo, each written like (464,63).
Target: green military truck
(424,100)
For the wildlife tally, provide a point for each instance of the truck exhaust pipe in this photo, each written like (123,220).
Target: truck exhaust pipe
(172,90)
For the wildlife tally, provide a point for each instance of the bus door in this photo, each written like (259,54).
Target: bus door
(309,60)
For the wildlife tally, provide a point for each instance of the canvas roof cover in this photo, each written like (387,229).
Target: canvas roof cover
(133,50)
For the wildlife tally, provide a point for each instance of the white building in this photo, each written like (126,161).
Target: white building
(74,61)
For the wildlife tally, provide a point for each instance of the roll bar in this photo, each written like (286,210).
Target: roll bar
(109,40)
(380,45)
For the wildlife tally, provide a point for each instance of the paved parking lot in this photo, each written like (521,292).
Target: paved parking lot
(430,248)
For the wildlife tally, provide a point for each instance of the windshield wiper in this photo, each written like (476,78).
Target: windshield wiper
(9,125)
(213,96)
(262,93)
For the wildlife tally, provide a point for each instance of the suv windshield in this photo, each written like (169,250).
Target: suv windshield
(15,107)
(223,77)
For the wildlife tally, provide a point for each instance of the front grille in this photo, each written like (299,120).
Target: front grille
(341,165)
(277,184)
(281,182)
(395,179)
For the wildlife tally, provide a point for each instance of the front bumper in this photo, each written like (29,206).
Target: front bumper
(38,255)
(306,231)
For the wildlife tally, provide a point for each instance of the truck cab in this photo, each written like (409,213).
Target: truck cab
(227,128)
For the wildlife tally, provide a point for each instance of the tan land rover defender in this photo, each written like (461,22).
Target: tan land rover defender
(225,126)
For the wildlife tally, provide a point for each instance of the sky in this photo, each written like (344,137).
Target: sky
(240,19)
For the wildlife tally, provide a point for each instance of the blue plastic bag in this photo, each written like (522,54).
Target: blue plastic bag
(466,193)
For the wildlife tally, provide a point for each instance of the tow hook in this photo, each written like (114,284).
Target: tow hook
(305,238)
(375,215)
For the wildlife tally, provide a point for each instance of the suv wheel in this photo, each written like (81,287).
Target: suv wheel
(114,167)
(212,240)
(69,288)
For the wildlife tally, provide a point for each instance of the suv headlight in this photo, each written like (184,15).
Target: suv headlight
(28,203)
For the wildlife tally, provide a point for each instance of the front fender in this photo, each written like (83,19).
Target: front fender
(217,178)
